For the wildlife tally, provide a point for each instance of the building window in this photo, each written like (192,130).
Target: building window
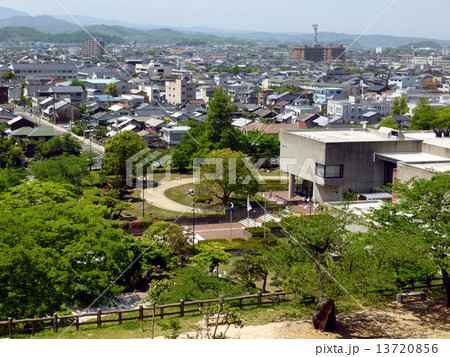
(329,171)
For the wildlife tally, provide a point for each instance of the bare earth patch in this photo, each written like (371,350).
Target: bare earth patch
(418,320)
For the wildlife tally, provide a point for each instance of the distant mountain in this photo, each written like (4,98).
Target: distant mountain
(6,12)
(28,34)
(89,21)
(42,23)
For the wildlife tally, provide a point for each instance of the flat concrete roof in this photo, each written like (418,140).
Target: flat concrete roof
(428,138)
(349,135)
(438,167)
(411,158)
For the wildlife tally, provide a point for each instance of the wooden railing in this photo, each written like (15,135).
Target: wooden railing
(181,308)
(56,322)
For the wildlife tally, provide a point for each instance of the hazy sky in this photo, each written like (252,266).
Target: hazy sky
(417,18)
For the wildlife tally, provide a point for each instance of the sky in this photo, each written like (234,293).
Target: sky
(410,18)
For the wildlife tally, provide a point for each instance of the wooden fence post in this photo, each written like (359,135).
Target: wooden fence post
(99,318)
(141,312)
(10,327)
(277,299)
(32,328)
(412,285)
(120,318)
(181,308)
(428,283)
(77,323)
(55,323)
(240,302)
(161,310)
(259,298)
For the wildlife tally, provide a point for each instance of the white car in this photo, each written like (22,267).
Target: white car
(66,126)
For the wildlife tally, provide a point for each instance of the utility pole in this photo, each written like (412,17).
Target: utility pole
(193,225)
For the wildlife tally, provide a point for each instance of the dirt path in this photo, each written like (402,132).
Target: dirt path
(427,320)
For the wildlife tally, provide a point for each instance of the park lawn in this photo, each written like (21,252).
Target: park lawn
(180,194)
(150,210)
(133,329)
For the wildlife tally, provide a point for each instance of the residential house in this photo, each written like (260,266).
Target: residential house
(65,112)
(173,136)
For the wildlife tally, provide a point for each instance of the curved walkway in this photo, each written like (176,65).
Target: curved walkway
(157,197)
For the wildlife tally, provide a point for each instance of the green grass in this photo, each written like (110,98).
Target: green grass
(236,243)
(134,329)
(180,194)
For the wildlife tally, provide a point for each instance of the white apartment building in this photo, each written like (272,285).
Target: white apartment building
(354,108)
(180,92)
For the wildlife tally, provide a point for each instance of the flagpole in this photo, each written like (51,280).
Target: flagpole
(231,219)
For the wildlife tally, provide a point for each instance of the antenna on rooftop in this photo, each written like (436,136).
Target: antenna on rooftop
(316,28)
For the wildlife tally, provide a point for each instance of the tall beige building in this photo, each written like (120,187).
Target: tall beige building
(93,48)
(180,92)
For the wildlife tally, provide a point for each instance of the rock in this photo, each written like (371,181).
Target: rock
(325,315)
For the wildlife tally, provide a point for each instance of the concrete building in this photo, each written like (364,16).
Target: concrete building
(353,109)
(93,48)
(327,164)
(180,92)
(59,70)
(321,95)
(319,53)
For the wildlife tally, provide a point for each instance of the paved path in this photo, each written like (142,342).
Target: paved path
(156,196)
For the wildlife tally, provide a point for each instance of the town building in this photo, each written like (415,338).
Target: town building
(328,164)
(319,53)
(93,48)
(59,70)
(180,92)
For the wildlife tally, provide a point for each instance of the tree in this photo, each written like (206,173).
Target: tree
(118,150)
(11,153)
(423,115)
(78,82)
(64,144)
(174,236)
(263,146)
(219,133)
(420,220)
(399,107)
(389,122)
(235,177)
(235,70)
(65,169)
(111,90)
(10,177)
(211,258)
(248,270)
(8,76)
(52,253)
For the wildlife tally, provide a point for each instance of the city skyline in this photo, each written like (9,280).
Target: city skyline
(289,16)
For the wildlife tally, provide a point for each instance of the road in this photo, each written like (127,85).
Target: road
(59,129)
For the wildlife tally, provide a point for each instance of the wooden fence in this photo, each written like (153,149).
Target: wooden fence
(181,308)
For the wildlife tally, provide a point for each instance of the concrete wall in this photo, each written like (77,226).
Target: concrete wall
(362,173)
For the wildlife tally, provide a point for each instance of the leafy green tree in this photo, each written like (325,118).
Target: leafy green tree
(174,236)
(389,122)
(235,177)
(423,115)
(113,202)
(11,153)
(219,133)
(325,260)
(10,178)
(420,221)
(235,70)
(118,150)
(191,283)
(64,144)
(65,169)
(37,192)
(78,82)
(8,76)
(211,257)
(111,90)
(53,253)
(399,106)
(262,146)
(248,270)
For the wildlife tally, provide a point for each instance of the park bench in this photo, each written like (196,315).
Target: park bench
(420,295)
(212,320)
